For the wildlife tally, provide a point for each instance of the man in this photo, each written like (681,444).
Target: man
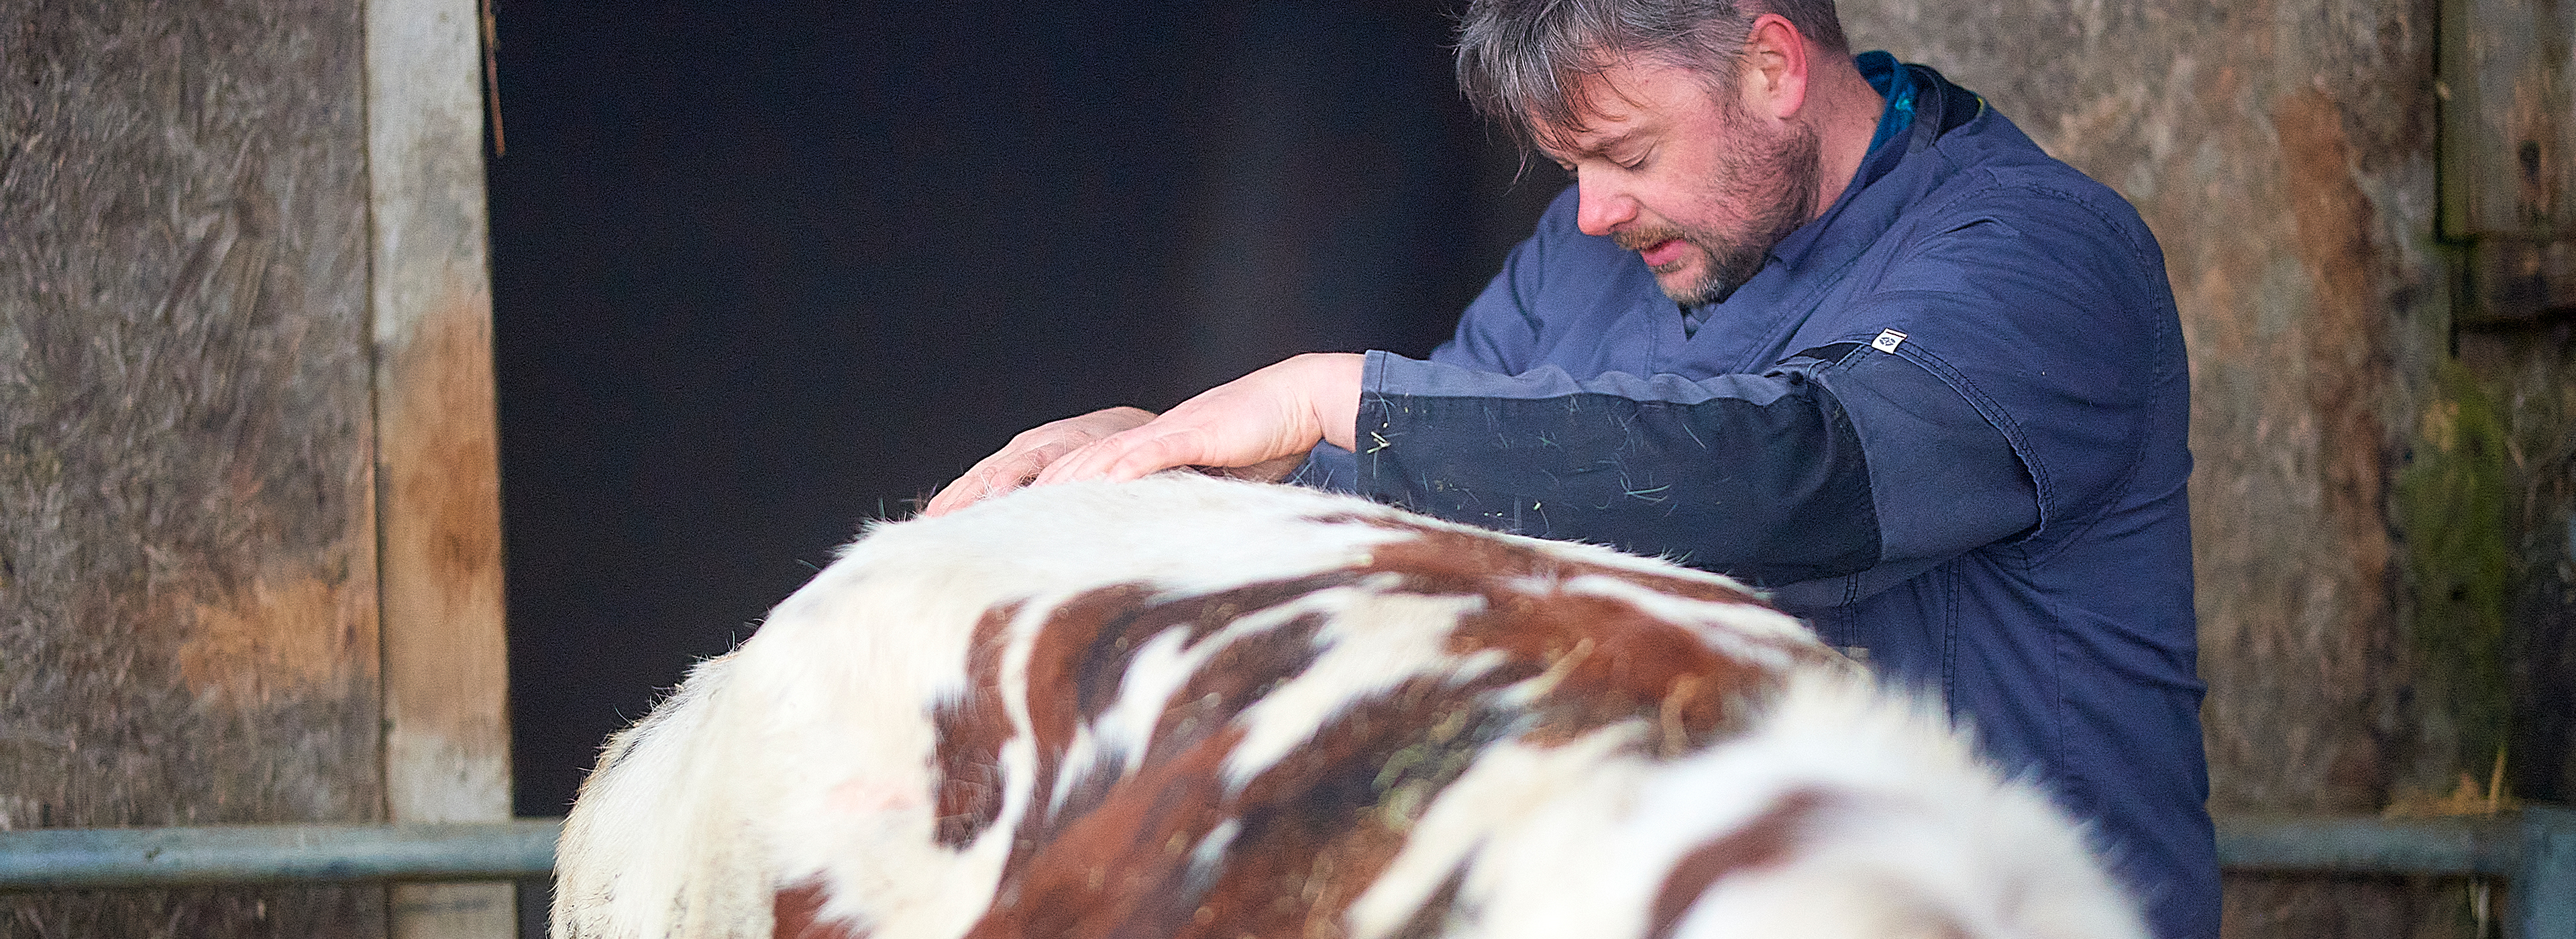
(1829,325)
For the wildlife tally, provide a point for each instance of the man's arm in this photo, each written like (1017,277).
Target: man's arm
(1841,461)
(1842,471)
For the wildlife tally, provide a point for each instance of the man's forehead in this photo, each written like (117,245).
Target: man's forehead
(1606,105)
(1598,123)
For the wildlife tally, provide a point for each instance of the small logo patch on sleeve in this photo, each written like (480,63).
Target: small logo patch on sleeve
(1887,341)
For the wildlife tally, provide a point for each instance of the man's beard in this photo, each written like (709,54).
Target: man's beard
(1782,177)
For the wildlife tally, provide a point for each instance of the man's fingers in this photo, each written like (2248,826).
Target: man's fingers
(1084,463)
(994,475)
(1028,453)
(1114,457)
(1184,447)
(1265,420)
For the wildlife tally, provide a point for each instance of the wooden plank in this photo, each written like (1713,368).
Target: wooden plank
(2508,152)
(2508,157)
(447,744)
(187,548)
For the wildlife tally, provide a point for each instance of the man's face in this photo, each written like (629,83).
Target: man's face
(1683,175)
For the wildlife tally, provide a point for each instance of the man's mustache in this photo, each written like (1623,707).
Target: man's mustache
(1640,239)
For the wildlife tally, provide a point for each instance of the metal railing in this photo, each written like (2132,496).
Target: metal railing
(106,858)
(2534,849)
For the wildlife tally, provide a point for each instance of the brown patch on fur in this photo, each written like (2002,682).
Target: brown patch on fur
(1082,654)
(1066,651)
(1315,830)
(1116,869)
(1607,660)
(966,768)
(1246,670)
(1322,824)
(1119,619)
(798,914)
(1207,613)
(1129,853)
(1759,843)
(1447,560)
(1081,657)
(1432,919)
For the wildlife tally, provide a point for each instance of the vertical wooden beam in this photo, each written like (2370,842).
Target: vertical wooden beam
(438,472)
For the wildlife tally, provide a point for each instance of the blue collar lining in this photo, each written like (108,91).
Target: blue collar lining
(1894,82)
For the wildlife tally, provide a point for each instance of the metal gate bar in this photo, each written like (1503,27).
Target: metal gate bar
(2535,849)
(95,858)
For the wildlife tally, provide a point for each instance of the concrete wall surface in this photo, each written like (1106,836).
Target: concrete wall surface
(2382,494)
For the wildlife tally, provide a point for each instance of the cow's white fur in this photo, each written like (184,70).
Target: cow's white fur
(807,752)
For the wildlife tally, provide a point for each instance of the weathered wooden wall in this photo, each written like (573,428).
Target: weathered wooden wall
(249,510)
(2380,523)
(188,622)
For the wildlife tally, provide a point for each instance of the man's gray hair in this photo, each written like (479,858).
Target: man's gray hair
(1519,61)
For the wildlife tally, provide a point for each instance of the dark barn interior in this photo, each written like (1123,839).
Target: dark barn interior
(762,276)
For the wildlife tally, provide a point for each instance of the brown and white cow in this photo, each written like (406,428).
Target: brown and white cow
(1188,707)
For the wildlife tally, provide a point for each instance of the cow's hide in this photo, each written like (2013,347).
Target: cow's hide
(1190,707)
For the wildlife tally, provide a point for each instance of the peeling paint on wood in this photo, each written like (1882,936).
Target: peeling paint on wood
(187,553)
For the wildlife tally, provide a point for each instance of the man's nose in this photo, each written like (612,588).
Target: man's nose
(1600,208)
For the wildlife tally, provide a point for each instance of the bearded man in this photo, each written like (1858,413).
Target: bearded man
(1829,325)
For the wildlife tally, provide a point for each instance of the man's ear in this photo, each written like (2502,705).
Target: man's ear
(1774,76)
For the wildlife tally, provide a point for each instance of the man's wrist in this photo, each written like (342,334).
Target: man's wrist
(1333,390)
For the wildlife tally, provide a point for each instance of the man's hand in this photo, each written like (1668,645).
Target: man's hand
(1255,426)
(1030,452)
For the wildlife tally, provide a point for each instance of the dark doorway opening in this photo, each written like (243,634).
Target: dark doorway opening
(763,275)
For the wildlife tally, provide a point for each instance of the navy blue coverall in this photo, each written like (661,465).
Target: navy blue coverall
(1945,424)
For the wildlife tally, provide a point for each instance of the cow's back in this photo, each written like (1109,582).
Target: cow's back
(1189,707)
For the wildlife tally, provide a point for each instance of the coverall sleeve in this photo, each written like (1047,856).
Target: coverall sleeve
(1839,472)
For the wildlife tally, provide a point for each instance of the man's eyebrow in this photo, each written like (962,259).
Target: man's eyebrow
(1598,148)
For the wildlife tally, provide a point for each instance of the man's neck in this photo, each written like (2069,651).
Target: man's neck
(1846,113)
